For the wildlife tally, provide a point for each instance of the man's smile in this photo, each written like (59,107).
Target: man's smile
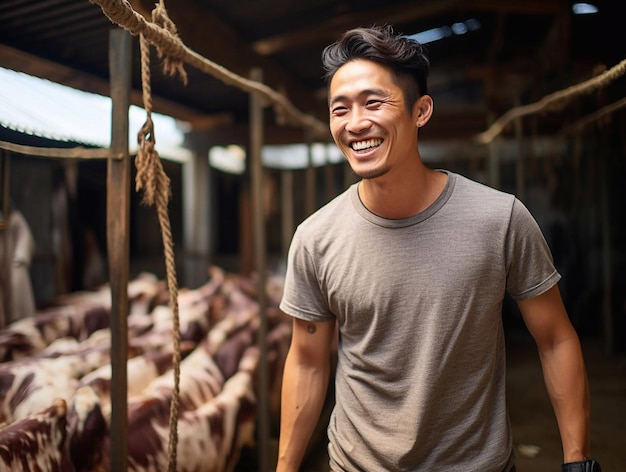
(366,144)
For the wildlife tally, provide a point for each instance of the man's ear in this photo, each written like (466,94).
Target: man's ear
(423,109)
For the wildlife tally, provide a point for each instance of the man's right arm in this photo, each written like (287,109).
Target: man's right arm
(305,381)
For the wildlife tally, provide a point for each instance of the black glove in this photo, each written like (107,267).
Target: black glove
(588,465)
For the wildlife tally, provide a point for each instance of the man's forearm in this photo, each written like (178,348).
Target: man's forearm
(303,394)
(566,382)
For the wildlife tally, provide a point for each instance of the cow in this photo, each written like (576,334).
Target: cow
(36,443)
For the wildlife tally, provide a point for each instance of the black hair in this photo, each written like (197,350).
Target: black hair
(407,58)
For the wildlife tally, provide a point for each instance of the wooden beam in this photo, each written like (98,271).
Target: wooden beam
(525,7)
(327,31)
(399,13)
(36,66)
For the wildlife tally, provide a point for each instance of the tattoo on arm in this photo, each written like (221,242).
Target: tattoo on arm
(311,328)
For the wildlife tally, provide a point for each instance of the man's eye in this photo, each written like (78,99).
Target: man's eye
(339,110)
(373,102)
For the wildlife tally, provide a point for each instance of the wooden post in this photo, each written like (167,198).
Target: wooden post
(520,162)
(198,205)
(258,215)
(493,158)
(4,187)
(246,263)
(287,217)
(5,259)
(329,181)
(349,177)
(118,212)
(607,290)
(309,179)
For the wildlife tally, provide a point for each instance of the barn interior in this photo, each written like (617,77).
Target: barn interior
(529,99)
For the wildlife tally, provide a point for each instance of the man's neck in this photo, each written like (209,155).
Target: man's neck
(402,196)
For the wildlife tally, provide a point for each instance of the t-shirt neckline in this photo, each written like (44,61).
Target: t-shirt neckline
(441,200)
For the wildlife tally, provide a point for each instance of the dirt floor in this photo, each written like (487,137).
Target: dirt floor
(535,432)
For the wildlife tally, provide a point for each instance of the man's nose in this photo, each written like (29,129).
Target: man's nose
(358,121)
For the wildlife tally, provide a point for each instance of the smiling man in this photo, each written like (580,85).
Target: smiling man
(411,266)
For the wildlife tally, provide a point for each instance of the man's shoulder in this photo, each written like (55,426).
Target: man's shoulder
(470,185)
(480,203)
(330,214)
(474,192)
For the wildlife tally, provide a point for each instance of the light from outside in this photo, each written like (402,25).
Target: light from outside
(436,34)
(584,8)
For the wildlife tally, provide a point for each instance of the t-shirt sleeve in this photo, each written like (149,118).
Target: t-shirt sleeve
(302,294)
(530,266)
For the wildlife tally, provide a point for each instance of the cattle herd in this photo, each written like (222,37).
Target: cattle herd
(55,377)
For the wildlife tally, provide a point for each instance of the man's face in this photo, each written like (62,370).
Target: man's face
(369,120)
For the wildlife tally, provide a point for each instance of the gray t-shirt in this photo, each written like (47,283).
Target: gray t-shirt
(420,381)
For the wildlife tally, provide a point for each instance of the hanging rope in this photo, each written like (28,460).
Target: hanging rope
(121,13)
(553,101)
(151,178)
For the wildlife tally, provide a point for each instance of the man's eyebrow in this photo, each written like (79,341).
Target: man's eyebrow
(373,91)
(336,98)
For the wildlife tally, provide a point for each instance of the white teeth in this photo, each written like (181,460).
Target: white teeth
(359,146)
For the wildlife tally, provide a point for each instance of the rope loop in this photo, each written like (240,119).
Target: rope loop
(152,179)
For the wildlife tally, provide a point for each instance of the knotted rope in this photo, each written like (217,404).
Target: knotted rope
(122,13)
(171,64)
(156,190)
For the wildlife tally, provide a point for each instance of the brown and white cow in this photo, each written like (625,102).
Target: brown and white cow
(36,442)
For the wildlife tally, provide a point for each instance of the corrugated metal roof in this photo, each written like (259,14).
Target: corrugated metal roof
(42,108)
